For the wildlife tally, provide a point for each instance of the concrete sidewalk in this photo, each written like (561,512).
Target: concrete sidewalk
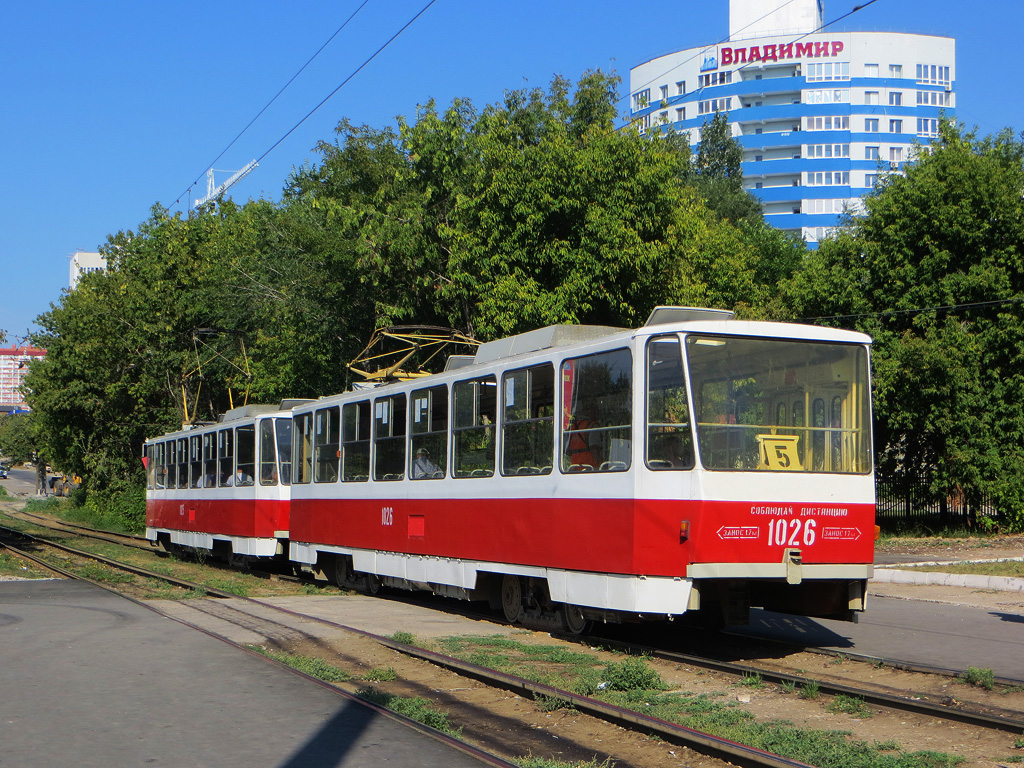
(91,679)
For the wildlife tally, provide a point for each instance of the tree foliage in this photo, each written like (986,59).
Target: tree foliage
(531,211)
(935,272)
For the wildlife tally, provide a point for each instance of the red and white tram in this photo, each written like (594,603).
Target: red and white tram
(223,487)
(580,473)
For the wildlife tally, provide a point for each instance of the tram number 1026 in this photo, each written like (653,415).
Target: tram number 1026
(792,532)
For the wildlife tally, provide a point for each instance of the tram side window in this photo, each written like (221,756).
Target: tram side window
(355,454)
(528,421)
(171,467)
(327,445)
(475,406)
(302,448)
(283,428)
(226,457)
(597,412)
(182,463)
(195,461)
(151,466)
(245,451)
(429,428)
(389,438)
(268,453)
(669,439)
(209,460)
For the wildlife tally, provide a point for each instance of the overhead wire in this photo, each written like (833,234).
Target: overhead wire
(918,311)
(312,111)
(269,103)
(344,82)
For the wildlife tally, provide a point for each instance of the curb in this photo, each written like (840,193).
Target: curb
(975,581)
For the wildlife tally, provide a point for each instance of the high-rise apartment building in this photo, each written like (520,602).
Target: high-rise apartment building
(14,363)
(819,114)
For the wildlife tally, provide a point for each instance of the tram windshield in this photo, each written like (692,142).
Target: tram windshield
(779,405)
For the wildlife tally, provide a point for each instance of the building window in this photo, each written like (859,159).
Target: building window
(641,99)
(896,71)
(870,179)
(829,96)
(871,125)
(681,88)
(833,70)
(715,105)
(870,153)
(758,158)
(828,123)
(928,126)
(828,178)
(934,98)
(870,97)
(895,98)
(680,114)
(870,70)
(895,126)
(663,117)
(664,93)
(932,74)
(714,78)
(895,154)
(827,150)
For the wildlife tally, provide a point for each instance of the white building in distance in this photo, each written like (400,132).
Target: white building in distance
(819,114)
(83,262)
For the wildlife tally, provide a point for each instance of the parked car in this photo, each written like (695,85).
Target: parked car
(3,472)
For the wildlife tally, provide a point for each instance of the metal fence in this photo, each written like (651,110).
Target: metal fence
(908,500)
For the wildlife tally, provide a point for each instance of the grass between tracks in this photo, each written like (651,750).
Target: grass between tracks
(634,684)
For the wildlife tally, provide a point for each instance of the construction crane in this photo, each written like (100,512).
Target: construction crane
(213,192)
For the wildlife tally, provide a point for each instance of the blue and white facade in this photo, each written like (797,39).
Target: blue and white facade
(819,114)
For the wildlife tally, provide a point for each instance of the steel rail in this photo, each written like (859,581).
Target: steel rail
(699,741)
(916,705)
(116,564)
(479,754)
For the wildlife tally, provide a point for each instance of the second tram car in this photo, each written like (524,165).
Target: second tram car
(224,487)
(578,473)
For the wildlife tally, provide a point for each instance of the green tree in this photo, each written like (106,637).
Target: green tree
(934,271)
(17,438)
(718,173)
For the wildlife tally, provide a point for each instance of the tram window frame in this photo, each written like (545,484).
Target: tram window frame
(158,466)
(590,405)
(226,457)
(268,453)
(389,428)
(302,448)
(283,430)
(195,461)
(355,442)
(474,411)
(182,463)
(527,418)
(245,455)
(326,444)
(171,465)
(209,479)
(669,441)
(428,433)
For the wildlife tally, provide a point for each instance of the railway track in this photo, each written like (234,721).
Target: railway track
(255,619)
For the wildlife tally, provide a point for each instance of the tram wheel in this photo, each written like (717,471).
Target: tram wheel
(373,584)
(512,598)
(575,622)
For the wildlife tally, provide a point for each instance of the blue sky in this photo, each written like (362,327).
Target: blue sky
(110,107)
